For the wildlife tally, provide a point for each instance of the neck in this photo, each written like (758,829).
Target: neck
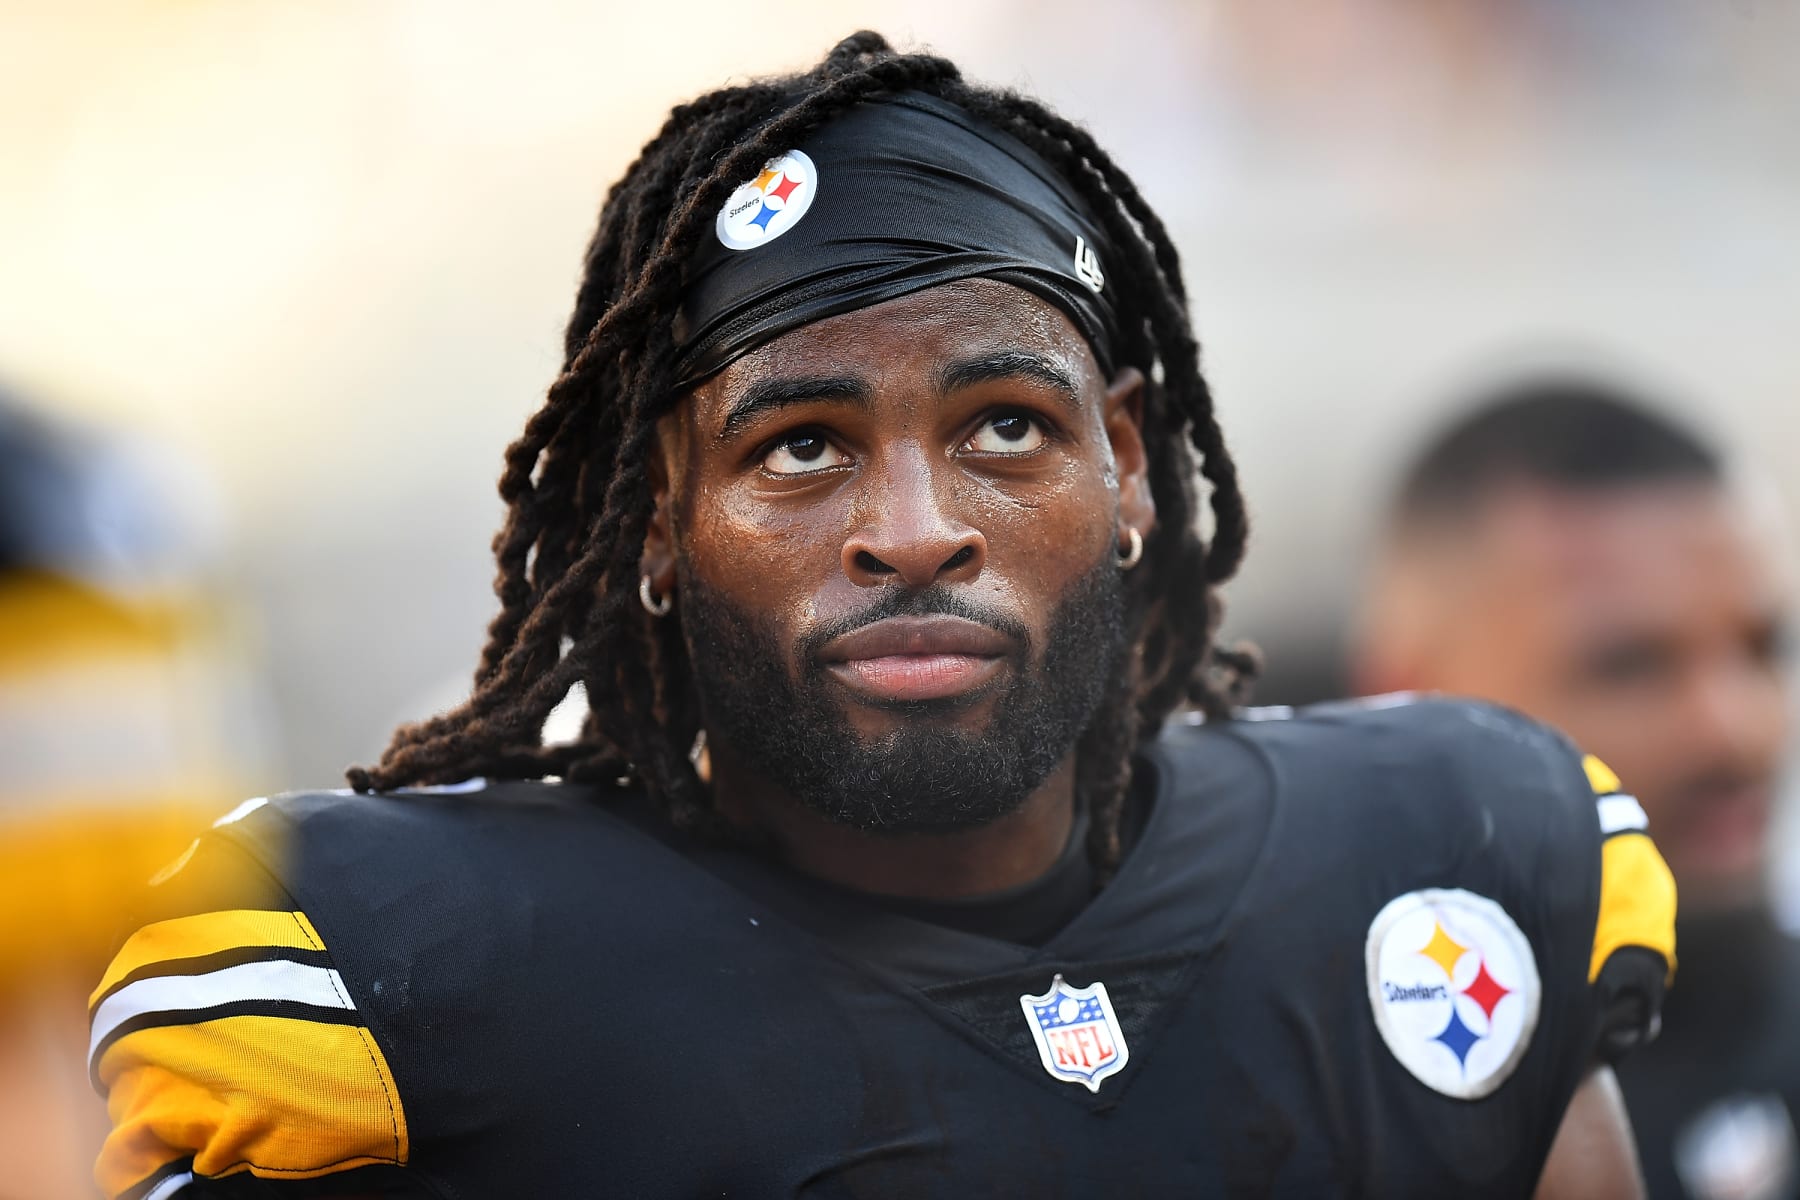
(1013,850)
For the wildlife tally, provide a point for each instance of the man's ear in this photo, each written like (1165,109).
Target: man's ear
(1124,420)
(659,536)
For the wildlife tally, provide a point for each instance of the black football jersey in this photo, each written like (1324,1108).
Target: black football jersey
(1715,1102)
(1359,952)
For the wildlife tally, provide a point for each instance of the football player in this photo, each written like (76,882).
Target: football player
(910,845)
(1567,550)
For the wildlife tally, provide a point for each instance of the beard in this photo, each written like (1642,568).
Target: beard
(927,775)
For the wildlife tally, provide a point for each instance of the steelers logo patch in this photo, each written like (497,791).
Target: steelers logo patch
(769,205)
(1454,988)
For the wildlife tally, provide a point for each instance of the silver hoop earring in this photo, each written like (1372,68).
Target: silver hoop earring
(1133,552)
(656,606)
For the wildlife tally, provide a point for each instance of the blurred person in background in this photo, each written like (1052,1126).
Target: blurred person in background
(122,722)
(1567,550)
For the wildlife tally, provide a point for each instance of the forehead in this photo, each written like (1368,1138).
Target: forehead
(1658,552)
(917,334)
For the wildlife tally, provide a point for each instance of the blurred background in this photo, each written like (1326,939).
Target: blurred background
(307,267)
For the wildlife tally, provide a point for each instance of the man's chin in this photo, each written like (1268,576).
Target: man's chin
(908,812)
(912,823)
(965,747)
(875,722)
(920,778)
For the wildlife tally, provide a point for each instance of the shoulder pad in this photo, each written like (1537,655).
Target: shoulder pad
(1633,957)
(226,1042)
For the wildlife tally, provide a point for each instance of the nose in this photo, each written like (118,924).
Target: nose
(908,531)
(1740,714)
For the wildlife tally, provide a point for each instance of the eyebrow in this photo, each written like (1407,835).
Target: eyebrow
(1010,364)
(766,395)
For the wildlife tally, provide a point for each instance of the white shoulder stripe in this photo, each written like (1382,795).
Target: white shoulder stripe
(461,788)
(247,982)
(240,812)
(170,1186)
(1619,812)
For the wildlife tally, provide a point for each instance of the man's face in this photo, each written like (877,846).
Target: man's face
(1647,623)
(892,535)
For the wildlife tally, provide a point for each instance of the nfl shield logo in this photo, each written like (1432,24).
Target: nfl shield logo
(1077,1035)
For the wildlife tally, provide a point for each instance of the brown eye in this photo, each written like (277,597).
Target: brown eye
(798,453)
(1008,433)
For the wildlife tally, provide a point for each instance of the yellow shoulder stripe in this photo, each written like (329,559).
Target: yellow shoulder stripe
(280,1098)
(1600,776)
(208,933)
(1637,901)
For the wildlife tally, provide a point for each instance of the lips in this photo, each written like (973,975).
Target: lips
(917,658)
(1722,827)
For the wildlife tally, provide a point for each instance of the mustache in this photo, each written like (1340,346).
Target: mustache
(933,601)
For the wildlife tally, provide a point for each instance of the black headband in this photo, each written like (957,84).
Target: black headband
(892,197)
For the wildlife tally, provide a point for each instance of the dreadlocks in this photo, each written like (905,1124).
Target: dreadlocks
(578,496)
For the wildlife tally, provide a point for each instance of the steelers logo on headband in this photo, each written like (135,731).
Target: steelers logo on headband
(769,205)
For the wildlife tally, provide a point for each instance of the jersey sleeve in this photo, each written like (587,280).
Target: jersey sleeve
(1633,959)
(230,1050)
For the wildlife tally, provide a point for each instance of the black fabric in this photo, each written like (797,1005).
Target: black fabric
(575,1002)
(1730,1037)
(911,192)
(353,1184)
(1028,914)
(156,1178)
(1139,989)
(1631,987)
